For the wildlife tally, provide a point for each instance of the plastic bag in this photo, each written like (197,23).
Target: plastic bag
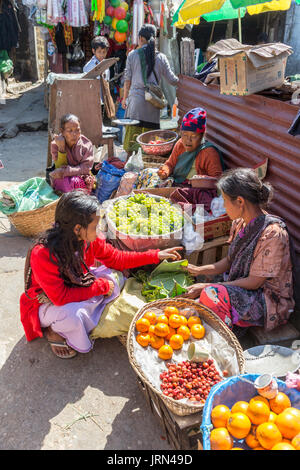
(108,180)
(127,183)
(135,162)
(217,206)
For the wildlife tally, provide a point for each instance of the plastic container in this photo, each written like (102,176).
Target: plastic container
(230,391)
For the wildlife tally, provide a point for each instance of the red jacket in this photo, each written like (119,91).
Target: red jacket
(46,277)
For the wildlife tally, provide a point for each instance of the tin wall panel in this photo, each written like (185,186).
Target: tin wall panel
(248,129)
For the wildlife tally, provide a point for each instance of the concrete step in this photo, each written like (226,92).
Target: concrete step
(283,335)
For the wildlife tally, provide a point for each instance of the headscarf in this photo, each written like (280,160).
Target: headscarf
(194,121)
(148,31)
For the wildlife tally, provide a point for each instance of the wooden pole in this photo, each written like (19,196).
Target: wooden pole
(212,32)
(240,25)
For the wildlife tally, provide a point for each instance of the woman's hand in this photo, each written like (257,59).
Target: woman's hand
(60,142)
(162,173)
(124,104)
(111,288)
(58,173)
(170,253)
(194,291)
(192,269)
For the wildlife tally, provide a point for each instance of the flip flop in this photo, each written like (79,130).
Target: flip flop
(72,352)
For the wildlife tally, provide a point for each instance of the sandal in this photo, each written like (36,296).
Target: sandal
(72,352)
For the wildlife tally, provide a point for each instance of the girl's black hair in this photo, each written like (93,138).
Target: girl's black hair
(244,182)
(148,31)
(75,207)
(68,118)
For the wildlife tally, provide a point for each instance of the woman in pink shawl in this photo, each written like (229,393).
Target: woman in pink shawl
(72,154)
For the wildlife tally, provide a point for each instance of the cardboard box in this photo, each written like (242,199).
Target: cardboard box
(245,69)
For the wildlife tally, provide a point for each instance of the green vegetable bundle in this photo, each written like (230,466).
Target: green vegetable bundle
(167,280)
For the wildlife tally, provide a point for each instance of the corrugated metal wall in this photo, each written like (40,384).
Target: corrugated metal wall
(248,129)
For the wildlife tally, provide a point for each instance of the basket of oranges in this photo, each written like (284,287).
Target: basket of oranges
(235,417)
(158,341)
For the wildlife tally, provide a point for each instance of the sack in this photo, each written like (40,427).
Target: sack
(153,93)
(118,314)
(109,104)
(108,180)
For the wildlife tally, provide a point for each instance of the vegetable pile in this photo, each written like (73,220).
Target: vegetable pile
(167,280)
(144,215)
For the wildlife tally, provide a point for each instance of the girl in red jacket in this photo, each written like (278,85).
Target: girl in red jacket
(63,297)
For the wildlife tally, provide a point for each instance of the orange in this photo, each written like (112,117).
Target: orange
(283,446)
(143,339)
(288,424)
(294,411)
(258,411)
(296,442)
(165,352)
(184,321)
(251,439)
(156,341)
(220,439)
(240,407)
(184,331)
(259,448)
(176,341)
(142,325)
(272,417)
(175,321)
(198,331)
(168,311)
(163,319)
(220,415)
(151,330)
(239,425)
(172,332)
(161,329)
(268,435)
(151,316)
(280,403)
(260,398)
(193,320)
(237,448)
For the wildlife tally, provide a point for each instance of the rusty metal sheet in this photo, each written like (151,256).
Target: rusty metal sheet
(248,129)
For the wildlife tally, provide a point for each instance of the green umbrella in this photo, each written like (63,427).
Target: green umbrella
(227,12)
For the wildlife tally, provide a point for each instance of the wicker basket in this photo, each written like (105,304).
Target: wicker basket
(153,161)
(157,149)
(211,319)
(32,223)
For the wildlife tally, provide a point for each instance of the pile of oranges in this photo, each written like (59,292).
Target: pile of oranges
(263,424)
(171,326)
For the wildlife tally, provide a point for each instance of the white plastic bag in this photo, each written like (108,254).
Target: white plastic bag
(217,206)
(135,162)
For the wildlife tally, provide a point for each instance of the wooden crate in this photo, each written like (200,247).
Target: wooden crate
(182,432)
(211,251)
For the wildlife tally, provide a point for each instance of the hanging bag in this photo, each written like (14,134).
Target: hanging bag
(153,93)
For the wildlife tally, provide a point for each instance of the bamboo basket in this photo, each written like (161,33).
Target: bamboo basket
(211,319)
(32,223)
(153,161)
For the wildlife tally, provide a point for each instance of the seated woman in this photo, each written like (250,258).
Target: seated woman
(258,282)
(192,155)
(63,296)
(73,156)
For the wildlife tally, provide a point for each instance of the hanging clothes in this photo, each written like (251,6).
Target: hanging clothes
(9,26)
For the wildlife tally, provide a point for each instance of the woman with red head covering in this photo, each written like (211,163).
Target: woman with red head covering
(192,154)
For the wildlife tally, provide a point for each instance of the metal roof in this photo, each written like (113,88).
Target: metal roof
(248,129)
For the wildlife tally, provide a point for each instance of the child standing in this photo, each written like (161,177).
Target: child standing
(63,294)
(73,156)
(100,46)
